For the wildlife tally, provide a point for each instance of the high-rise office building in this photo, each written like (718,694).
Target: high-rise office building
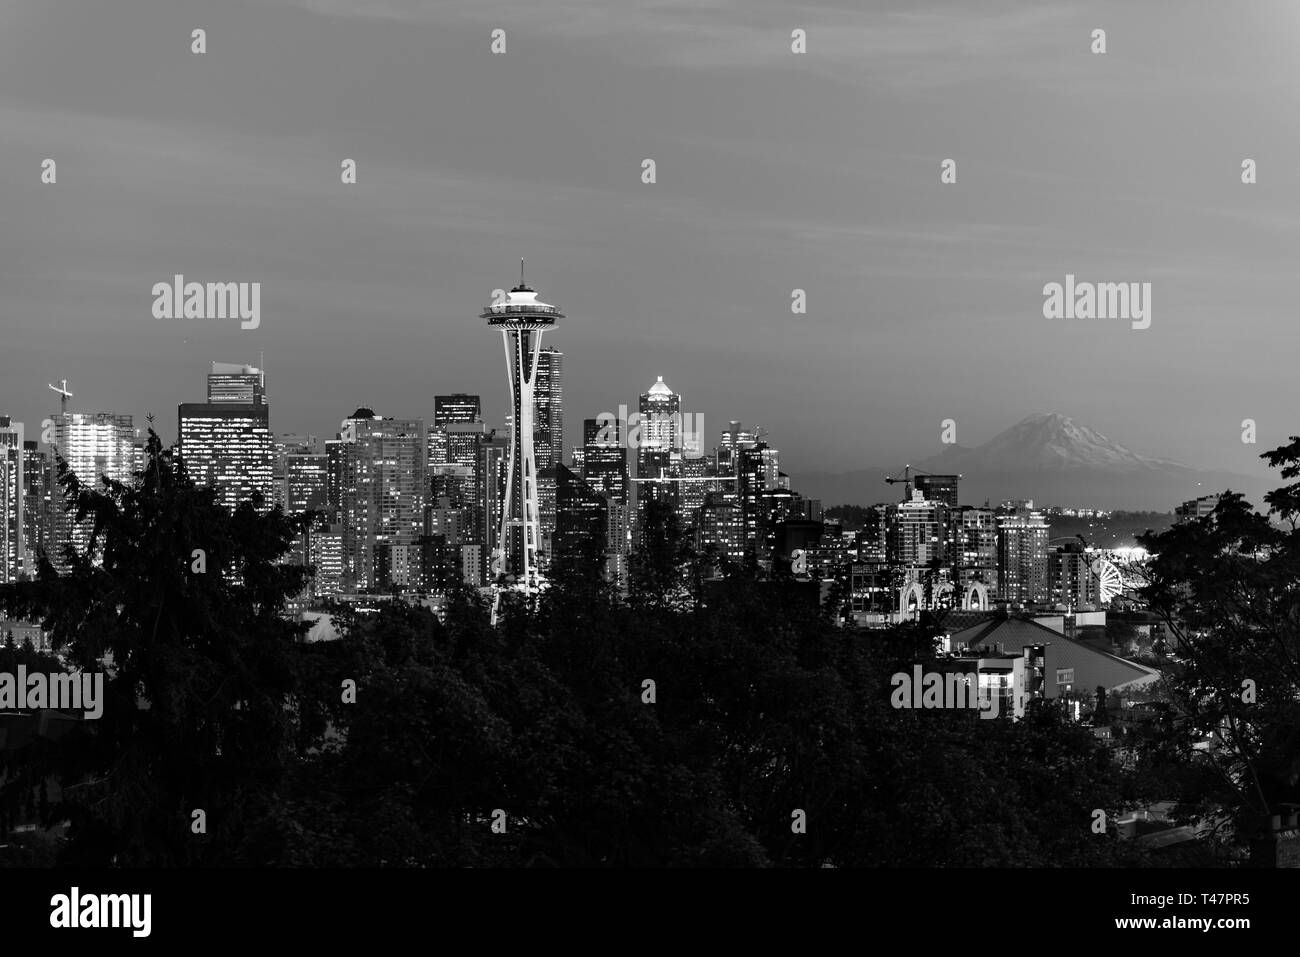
(326,551)
(286,445)
(757,471)
(226,442)
(93,445)
(306,480)
(450,441)
(383,493)
(546,488)
(456,524)
(1070,577)
(229,382)
(549,408)
(490,477)
(733,439)
(938,488)
(916,532)
(38,500)
(689,488)
(581,523)
(720,530)
(228,446)
(604,462)
(13,521)
(975,555)
(659,432)
(457,407)
(334,451)
(1022,558)
(522,319)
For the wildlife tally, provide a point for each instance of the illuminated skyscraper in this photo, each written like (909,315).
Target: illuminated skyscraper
(285,446)
(38,500)
(228,445)
(13,523)
(522,319)
(976,547)
(231,382)
(604,461)
(383,494)
(916,532)
(93,445)
(548,430)
(457,407)
(305,479)
(660,426)
(226,442)
(1022,558)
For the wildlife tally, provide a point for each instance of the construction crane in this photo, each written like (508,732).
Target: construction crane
(906,480)
(64,395)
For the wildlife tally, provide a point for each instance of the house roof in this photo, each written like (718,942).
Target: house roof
(1013,634)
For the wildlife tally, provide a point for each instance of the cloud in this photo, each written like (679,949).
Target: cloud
(918,44)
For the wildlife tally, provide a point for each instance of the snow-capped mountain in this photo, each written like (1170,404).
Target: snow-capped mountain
(1052,459)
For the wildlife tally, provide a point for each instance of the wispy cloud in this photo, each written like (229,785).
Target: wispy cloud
(919,44)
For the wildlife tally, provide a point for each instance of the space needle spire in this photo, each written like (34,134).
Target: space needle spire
(522,318)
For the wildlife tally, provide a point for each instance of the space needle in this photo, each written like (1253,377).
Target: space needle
(522,319)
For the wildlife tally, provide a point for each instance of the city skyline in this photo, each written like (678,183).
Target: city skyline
(769,165)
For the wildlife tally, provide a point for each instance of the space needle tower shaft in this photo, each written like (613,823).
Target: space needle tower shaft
(522,318)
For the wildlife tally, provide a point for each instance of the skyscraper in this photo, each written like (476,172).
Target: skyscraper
(383,493)
(581,523)
(231,382)
(976,548)
(38,500)
(457,407)
(604,462)
(490,477)
(660,426)
(549,402)
(306,477)
(522,319)
(13,522)
(93,445)
(1022,558)
(1070,576)
(733,439)
(228,445)
(334,450)
(916,532)
(285,446)
(226,442)
(938,488)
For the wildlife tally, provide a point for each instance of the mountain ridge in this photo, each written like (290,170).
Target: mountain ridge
(1052,459)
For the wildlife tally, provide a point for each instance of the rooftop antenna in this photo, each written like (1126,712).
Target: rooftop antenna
(64,396)
(521,270)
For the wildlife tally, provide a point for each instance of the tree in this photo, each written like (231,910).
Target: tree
(1227,587)
(199,667)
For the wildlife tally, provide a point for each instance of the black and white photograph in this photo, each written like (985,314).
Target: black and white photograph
(742,458)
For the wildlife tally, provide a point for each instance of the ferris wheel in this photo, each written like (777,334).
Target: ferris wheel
(1108,581)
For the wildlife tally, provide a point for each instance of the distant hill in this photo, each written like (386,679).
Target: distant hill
(1051,459)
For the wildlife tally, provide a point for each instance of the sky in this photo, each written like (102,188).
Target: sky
(775,171)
